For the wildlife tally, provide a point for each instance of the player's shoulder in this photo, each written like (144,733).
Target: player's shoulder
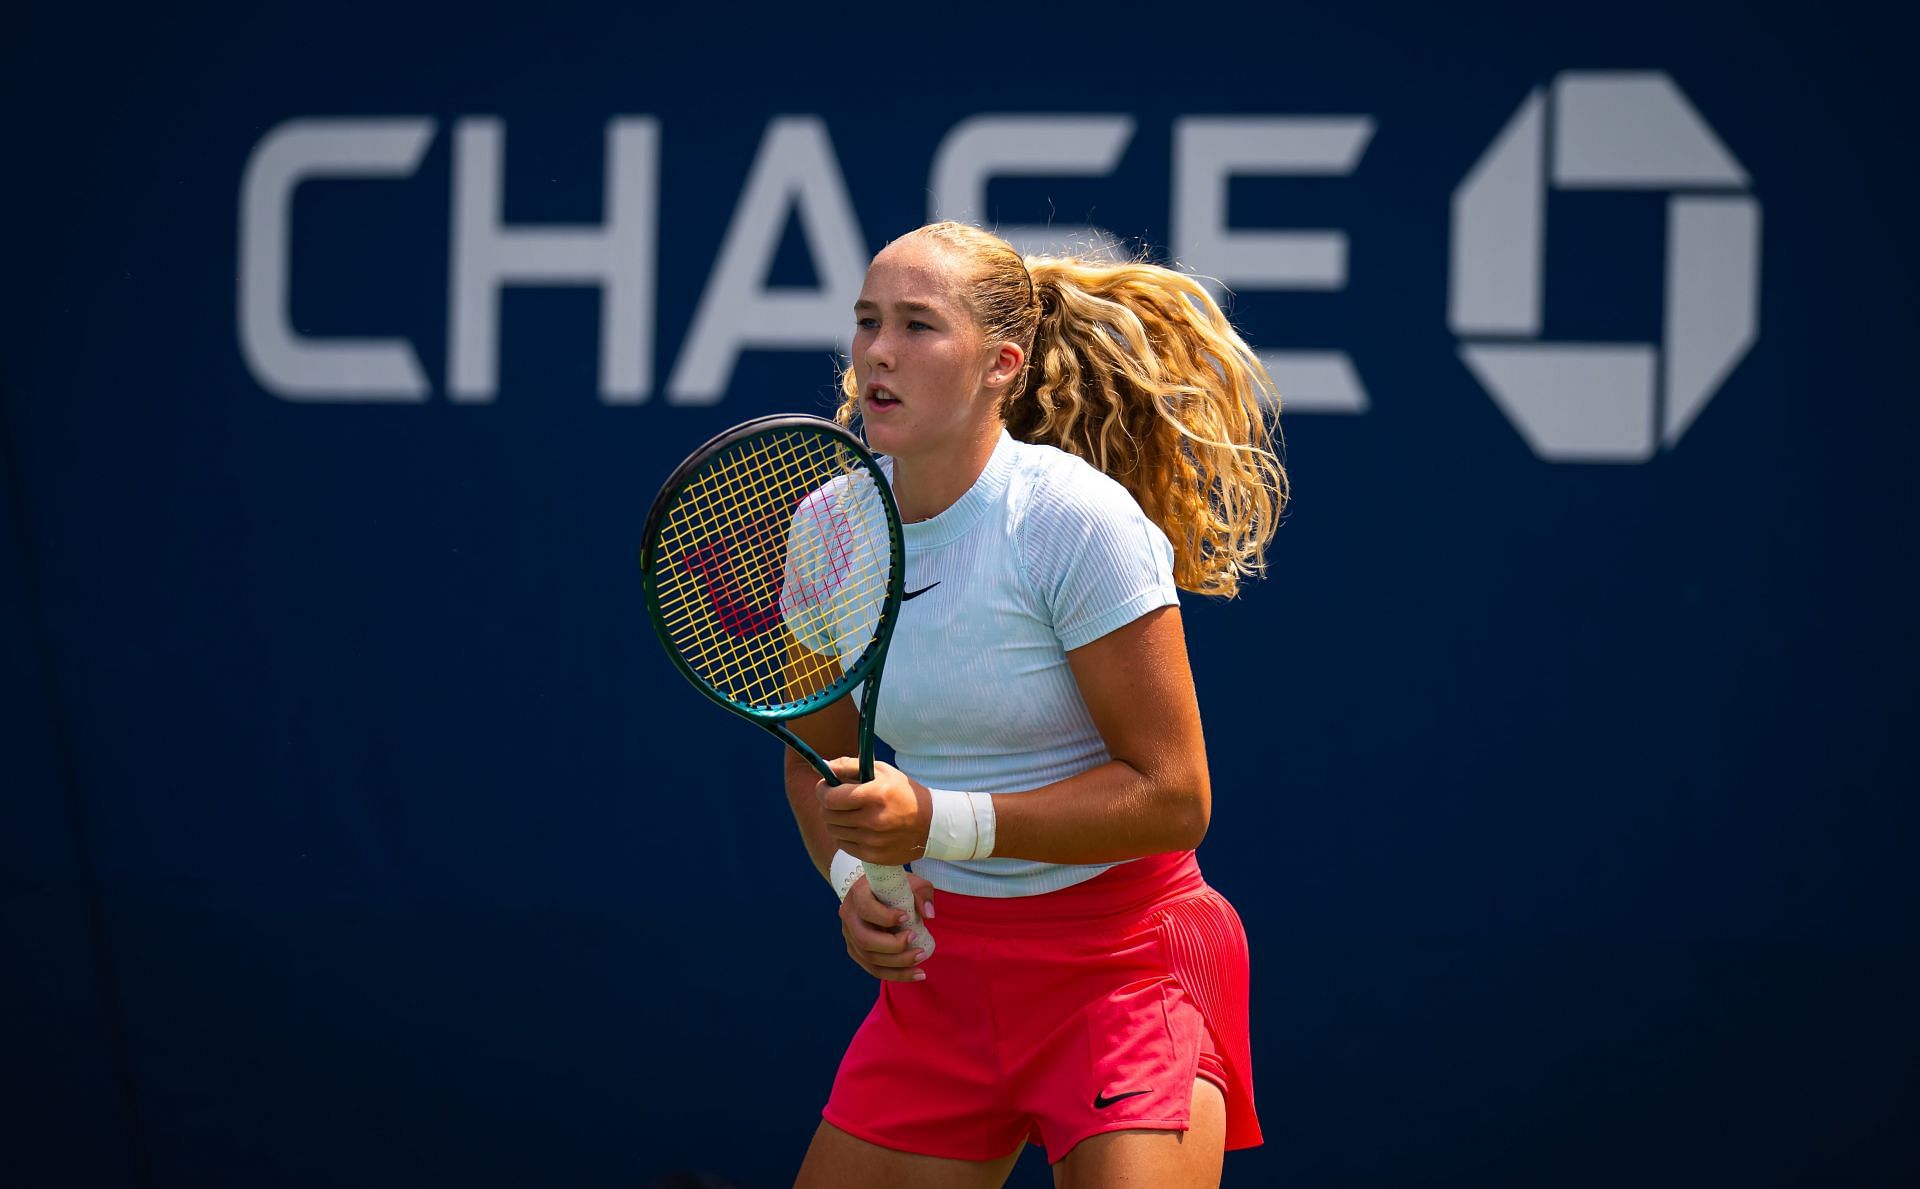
(1052,484)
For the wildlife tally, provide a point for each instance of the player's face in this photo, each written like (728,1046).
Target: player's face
(920,360)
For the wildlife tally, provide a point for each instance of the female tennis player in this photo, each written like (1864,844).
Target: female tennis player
(1070,443)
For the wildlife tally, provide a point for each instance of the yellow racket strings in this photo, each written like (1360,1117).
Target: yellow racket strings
(781,538)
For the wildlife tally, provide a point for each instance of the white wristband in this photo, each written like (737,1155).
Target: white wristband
(845,872)
(963,825)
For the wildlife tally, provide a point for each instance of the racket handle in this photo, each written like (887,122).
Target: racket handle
(890,885)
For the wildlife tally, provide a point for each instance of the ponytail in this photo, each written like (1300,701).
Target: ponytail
(1134,368)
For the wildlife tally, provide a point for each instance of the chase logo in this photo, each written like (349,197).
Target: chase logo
(1577,402)
(1611,402)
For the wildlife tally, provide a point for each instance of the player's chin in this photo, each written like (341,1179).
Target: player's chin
(883,431)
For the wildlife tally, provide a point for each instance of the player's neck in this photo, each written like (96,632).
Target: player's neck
(925,485)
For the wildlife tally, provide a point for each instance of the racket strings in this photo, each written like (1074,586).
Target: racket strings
(773,567)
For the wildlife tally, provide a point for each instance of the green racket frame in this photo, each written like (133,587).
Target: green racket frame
(888,883)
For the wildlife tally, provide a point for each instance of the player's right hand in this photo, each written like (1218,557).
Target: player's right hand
(875,932)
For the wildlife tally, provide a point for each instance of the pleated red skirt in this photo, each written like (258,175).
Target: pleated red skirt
(1056,1017)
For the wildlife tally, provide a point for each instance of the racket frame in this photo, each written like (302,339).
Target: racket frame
(888,883)
(872,659)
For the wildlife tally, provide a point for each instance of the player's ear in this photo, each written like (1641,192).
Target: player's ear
(1005,365)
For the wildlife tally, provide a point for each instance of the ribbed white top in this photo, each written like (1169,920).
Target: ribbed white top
(1042,555)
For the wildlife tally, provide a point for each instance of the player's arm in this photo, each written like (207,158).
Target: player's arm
(872,930)
(834,730)
(1154,795)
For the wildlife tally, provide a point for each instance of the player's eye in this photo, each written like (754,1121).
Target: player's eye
(866,322)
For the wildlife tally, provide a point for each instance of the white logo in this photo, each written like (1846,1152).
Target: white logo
(796,174)
(1605,402)
(1579,402)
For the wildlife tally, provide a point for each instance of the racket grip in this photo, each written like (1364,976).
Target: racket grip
(890,885)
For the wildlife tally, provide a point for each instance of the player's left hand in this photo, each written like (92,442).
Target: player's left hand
(883,820)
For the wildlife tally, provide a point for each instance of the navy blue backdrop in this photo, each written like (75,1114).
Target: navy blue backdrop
(355,830)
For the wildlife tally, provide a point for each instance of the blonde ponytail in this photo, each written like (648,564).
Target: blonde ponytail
(1134,368)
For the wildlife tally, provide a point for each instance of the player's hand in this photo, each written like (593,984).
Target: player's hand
(885,820)
(876,938)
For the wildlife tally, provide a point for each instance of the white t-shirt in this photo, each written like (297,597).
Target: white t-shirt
(1042,555)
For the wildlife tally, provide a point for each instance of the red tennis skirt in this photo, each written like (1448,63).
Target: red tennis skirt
(1056,1017)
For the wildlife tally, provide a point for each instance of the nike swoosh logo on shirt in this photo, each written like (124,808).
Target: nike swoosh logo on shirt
(914,594)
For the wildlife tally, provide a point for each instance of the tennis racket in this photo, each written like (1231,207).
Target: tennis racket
(773,566)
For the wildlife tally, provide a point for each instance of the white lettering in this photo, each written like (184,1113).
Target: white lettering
(1208,151)
(286,363)
(795,170)
(982,148)
(487,256)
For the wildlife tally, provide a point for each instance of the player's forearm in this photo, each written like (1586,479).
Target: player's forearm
(800,780)
(833,730)
(1108,813)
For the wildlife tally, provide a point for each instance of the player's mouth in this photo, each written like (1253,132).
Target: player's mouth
(880,399)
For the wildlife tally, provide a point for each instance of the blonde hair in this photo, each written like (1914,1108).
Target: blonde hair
(1134,368)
